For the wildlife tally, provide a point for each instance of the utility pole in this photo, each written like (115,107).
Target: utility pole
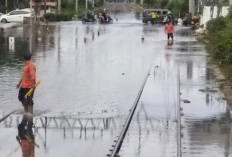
(93,3)
(31,25)
(59,5)
(86,4)
(76,6)
(17,4)
(45,6)
(6,5)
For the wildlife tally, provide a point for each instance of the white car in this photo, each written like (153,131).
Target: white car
(16,15)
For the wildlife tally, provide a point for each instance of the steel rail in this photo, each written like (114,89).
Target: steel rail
(178,116)
(119,142)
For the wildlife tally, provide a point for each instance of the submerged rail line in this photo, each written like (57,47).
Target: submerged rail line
(118,144)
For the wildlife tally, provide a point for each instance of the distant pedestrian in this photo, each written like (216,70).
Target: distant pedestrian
(27,81)
(154,16)
(169,30)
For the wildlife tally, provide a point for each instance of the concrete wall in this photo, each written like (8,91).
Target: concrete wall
(209,13)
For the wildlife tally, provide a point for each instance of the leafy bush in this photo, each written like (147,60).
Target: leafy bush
(219,35)
(175,6)
(59,16)
(220,45)
(216,25)
(164,3)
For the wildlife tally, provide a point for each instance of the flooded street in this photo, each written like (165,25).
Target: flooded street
(90,76)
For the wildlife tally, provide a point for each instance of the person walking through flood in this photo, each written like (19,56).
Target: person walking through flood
(154,16)
(27,81)
(169,30)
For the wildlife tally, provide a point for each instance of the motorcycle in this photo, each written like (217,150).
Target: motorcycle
(87,20)
(108,20)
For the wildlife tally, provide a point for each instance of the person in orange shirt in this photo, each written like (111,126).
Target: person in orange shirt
(169,29)
(27,81)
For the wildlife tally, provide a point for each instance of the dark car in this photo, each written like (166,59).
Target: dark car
(163,15)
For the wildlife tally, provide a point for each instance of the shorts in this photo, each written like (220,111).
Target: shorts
(170,35)
(21,96)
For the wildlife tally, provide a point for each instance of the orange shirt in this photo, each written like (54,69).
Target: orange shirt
(169,28)
(29,74)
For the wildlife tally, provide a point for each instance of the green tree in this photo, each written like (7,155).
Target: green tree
(164,3)
(176,6)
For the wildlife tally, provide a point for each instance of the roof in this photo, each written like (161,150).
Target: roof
(52,4)
(156,10)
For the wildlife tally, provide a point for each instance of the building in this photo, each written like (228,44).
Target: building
(41,7)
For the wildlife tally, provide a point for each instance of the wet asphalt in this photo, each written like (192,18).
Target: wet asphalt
(90,76)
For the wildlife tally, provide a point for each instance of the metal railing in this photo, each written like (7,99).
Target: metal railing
(117,146)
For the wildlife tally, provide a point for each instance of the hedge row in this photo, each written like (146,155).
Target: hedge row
(59,16)
(219,35)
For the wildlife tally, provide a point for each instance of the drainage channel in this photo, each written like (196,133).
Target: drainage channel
(119,141)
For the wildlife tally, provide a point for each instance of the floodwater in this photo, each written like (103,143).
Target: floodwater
(90,76)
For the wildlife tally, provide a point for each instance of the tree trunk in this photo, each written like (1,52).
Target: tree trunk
(45,6)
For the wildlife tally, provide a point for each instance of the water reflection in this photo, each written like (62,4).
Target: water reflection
(209,74)
(210,134)
(43,39)
(26,138)
(53,132)
(189,69)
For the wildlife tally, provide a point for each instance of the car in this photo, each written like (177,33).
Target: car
(162,16)
(16,15)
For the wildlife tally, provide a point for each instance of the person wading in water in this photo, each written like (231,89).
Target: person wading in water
(27,81)
(169,30)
